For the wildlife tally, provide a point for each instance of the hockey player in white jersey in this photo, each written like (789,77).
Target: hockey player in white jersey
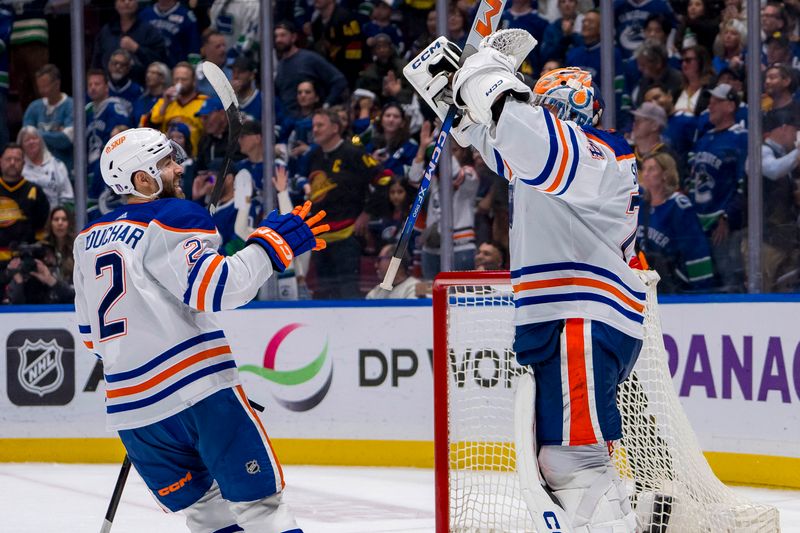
(578,305)
(147,280)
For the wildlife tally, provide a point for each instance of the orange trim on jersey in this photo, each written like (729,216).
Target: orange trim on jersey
(134,222)
(169,372)
(601,141)
(580,427)
(183,230)
(510,173)
(564,157)
(240,392)
(582,282)
(201,291)
(89,344)
(464,235)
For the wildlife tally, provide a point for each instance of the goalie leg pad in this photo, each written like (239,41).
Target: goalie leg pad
(587,485)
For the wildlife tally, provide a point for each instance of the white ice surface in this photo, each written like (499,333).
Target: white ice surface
(44,498)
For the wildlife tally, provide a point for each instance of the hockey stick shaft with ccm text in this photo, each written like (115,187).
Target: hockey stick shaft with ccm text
(227,95)
(485,23)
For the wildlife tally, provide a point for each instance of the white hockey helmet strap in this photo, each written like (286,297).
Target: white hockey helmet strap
(134,150)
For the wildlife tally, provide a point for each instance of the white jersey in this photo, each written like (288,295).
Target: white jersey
(146,278)
(573,215)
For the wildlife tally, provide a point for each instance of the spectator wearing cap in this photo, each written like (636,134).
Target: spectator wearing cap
(213,143)
(336,36)
(178,27)
(680,133)
(181,102)
(243,82)
(669,232)
(780,84)
(649,121)
(733,76)
(715,184)
(779,49)
(52,114)
(381,22)
(156,80)
(120,83)
(296,65)
(562,33)
(779,162)
(652,61)
(630,18)
(729,45)
(130,32)
(214,50)
(384,76)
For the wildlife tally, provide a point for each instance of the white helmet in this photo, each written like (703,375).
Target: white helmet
(133,150)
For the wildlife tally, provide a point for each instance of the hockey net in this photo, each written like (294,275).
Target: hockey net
(670,482)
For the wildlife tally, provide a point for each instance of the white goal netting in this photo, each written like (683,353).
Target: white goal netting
(672,486)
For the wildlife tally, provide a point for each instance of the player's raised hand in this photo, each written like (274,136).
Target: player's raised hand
(285,236)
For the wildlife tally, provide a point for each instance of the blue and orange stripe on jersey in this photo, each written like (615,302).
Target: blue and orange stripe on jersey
(206,283)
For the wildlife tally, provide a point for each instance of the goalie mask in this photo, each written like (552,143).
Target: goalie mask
(138,149)
(569,93)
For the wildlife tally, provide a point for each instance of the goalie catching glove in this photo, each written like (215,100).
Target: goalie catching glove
(285,236)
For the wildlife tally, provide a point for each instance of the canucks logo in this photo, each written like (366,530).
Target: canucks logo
(297,388)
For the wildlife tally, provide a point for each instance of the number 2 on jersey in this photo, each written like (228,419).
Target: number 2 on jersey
(111,263)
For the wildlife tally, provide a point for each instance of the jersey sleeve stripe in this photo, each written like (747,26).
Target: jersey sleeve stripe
(203,287)
(89,344)
(85,330)
(150,400)
(223,277)
(580,282)
(562,142)
(184,230)
(579,296)
(500,164)
(567,265)
(551,157)
(575,157)
(187,296)
(164,356)
(169,372)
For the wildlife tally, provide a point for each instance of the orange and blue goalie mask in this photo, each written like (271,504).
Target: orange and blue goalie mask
(568,93)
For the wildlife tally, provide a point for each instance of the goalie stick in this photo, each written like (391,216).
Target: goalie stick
(226,94)
(486,21)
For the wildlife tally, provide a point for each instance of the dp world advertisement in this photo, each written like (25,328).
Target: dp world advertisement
(362,374)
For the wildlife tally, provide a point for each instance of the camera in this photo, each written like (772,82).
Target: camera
(28,254)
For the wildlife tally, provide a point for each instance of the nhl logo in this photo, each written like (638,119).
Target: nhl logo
(252,467)
(40,370)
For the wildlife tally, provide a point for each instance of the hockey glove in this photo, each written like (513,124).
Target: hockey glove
(285,236)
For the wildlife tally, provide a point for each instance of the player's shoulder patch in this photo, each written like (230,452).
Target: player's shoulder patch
(182,215)
(612,140)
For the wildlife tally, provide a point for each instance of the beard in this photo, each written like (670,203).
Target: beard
(172,189)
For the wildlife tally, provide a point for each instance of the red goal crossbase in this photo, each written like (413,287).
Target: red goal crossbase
(474,373)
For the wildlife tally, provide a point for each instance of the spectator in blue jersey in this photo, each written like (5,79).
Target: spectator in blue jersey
(6,19)
(669,232)
(779,162)
(715,184)
(729,45)
(103,114)
(779,49)
(120,84)
(384,76)
(522,15)
(780,84)
(681,130)
(128,31)
(299,139)
(381,22)
(214,50)
(243,82)
(178,27)
(697,75)
(52,114)
(630,17)
(654,65)
(562,33)
(296,65)
(391,144)
(156,80)
(735,78)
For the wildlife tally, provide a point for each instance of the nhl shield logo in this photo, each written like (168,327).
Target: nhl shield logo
(40,369)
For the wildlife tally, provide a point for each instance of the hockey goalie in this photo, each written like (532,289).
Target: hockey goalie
(579,306)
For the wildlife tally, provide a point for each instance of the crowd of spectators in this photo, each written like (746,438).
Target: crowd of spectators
(353,137)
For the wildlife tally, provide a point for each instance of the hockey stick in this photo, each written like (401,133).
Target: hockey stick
(225,92)
(116,496)
(485,23)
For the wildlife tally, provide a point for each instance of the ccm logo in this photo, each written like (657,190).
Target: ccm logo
(178,485)
(426,55)
(551,522)
(115,144)
(494,87)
